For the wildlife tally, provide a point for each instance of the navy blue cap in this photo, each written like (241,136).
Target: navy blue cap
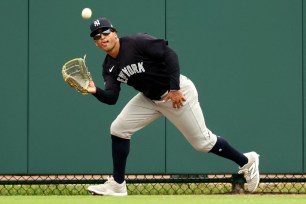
(98,24)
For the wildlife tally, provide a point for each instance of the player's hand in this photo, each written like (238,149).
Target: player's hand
(176,97)
(91,87)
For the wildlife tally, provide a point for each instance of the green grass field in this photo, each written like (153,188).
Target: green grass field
(156,199)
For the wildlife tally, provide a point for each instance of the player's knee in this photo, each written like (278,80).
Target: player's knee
(202,148)
(118,128)
(205,142)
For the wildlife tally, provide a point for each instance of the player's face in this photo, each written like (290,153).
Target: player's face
(108,41)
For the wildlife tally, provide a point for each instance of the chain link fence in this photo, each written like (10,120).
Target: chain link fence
(151,184)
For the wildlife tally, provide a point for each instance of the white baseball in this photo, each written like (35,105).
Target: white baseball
(86,13)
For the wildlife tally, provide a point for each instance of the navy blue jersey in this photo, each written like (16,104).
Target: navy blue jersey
(143,62)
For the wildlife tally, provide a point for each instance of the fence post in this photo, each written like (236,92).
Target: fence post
(238,184)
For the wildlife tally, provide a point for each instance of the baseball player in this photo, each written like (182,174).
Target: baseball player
(150,66)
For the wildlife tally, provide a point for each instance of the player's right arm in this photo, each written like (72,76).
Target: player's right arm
(110,94)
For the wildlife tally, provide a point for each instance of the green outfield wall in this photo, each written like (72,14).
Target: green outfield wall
(246,58)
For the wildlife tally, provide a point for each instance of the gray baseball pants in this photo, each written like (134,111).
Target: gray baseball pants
(189,119)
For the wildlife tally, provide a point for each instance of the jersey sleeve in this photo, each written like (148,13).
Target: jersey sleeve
(111,91)
(159,50)
(172,63)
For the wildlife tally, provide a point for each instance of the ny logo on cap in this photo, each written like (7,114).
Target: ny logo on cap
(96,23)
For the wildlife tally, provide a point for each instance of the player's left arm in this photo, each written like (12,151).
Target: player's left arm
(177,98)
(173,68)
(159,50)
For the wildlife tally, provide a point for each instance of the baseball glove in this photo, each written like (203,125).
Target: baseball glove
(76,75)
